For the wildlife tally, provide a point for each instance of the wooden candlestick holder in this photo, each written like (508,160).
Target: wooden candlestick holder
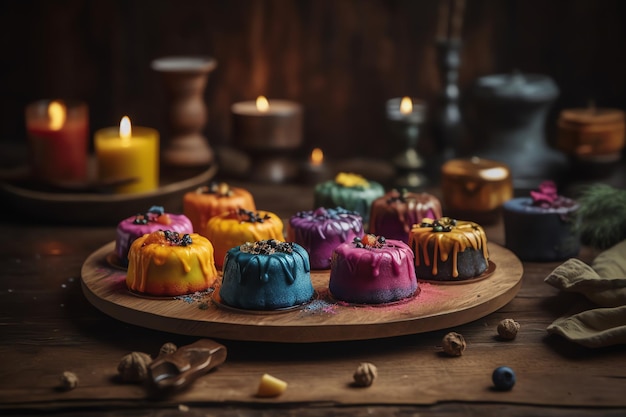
(185,80)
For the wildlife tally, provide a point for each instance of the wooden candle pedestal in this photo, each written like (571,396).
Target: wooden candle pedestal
(185,81)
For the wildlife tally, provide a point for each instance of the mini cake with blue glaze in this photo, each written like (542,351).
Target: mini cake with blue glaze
(321,230)
(266,275)
(541,227)
(350,191)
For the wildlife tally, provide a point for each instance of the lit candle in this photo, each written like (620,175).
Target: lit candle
(316,169)
(268,129)
(128,153)
(264,124)
(57,138)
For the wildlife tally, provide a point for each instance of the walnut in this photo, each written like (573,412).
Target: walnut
(168,348)
(69,381)
(365,374)
(453,344)
(508,328)
(134,367)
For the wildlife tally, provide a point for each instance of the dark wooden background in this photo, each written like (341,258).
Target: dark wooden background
(341,59)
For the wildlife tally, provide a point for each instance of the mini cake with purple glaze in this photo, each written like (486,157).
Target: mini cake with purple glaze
(541,227)
(266,275)
(131,228)
(320,231)
(372,270)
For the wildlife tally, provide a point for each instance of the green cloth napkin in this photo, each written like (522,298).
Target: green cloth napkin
(603,283)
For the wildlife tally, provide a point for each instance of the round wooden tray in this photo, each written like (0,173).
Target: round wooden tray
(322,320)
(94,208)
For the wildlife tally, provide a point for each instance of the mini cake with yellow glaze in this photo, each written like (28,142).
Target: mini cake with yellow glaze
(266,275)
(217,198)
(350,191)
(394,214)
(449,250)
(237,227)
(372,270)
(136,226)
(166,263)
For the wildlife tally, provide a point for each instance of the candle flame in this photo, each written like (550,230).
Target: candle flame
(57,114)
(406,105)
(262,104)
(125,129)
(317,157)
(493,174)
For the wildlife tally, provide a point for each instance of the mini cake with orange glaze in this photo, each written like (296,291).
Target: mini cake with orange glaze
(394,214)
(237,227)
(372,270)
(448,249)
(136,226)
(350,191)
(266,275)
(166,263)
(209,201)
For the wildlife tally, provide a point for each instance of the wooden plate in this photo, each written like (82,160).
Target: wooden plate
(321,320)
(98,209)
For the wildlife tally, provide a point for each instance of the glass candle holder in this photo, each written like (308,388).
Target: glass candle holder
(58,132)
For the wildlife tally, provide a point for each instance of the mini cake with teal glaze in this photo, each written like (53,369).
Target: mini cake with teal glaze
(350,191)
(541,227)
(266,275)
(321,230)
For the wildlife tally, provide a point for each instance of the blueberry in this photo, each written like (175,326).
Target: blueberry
(503,378)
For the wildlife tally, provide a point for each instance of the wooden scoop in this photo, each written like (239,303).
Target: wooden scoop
(179,369)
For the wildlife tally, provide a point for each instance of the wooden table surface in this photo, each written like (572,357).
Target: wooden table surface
(48,327)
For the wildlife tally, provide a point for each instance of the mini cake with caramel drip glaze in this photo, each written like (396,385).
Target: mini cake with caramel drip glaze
(166,263)
(138,225)
(213,199)
(447,249)
(237,227)
(394,214)
(266,275)
(372,270)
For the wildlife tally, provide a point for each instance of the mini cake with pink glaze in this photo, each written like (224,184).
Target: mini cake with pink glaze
(372,270)
(166,263)
(320,231)
(136,226)
(394,214)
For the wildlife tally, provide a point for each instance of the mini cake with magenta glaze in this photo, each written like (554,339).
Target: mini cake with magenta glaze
(449,250)
(237,227)
(321,230)
(166,263)
(209,201)
(541,227)
(372,270)
(266,275)
(394,214)
(136,226)
(350,191)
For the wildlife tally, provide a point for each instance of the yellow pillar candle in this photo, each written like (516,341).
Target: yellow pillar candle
(128,154)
